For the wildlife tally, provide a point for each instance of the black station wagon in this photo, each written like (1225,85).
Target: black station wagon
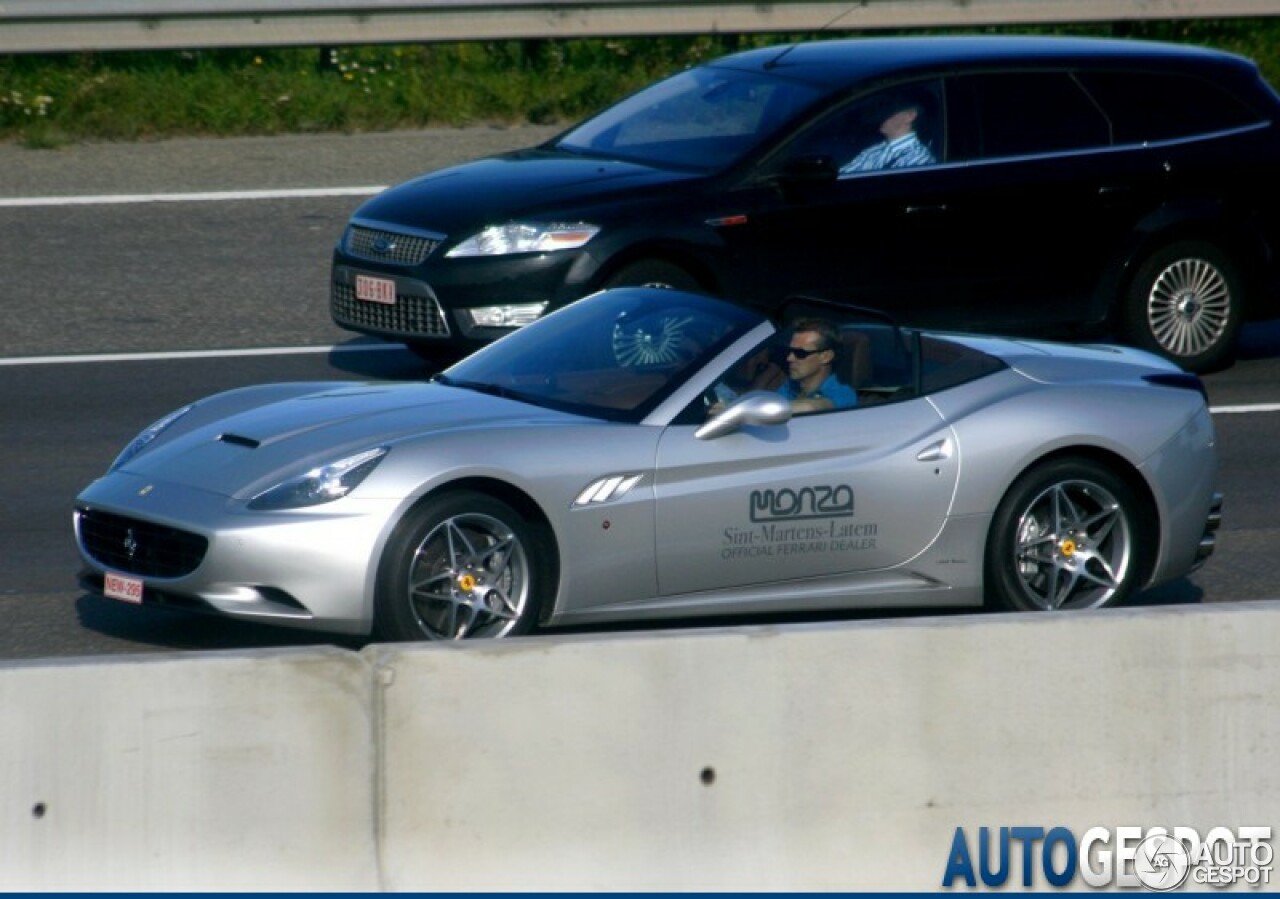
(1030,185)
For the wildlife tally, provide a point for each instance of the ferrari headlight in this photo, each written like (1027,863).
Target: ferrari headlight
(525,237)
(322,484)
(149,434)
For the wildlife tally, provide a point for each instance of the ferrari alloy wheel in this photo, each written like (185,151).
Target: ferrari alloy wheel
(463,566)
(1065,537)
(1186,304)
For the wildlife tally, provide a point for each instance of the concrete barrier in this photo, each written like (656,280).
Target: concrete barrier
(820,757)
(205,771)
(812,757)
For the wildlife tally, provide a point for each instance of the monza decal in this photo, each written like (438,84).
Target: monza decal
(775,532)
(819,501)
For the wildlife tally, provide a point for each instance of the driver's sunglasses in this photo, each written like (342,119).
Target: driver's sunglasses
(801,353)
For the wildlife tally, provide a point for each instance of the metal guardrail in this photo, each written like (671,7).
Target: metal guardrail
(34,26)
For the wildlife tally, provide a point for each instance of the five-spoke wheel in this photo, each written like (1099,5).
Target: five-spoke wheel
(464,565)
(1066,536)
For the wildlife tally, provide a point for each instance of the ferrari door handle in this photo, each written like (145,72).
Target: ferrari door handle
(936,452)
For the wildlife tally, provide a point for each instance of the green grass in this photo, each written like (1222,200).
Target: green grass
(50,100)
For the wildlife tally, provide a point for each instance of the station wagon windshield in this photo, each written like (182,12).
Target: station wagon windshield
(703,119)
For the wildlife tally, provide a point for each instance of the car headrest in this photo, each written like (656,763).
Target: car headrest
(853,361)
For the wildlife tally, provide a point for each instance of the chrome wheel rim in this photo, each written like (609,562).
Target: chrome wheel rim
(469,578)
(1189,307)
(1074,547)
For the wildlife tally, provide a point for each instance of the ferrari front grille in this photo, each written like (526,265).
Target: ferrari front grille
(410,315)
(141,548)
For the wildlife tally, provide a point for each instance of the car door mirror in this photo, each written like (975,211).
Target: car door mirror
(759,407)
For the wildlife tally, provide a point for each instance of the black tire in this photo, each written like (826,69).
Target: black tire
(1186,303)
(1067,535)
(461,565)
(654,273)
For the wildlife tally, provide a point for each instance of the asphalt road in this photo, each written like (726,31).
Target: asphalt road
(125,273)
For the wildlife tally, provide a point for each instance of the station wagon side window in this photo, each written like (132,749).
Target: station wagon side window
(893,128)
(1023,114)
(1155,106)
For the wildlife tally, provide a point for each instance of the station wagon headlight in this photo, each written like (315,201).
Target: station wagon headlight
(150,433)
(322,484)
(525,237)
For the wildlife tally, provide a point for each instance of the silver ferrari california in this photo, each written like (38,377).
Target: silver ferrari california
(650,454)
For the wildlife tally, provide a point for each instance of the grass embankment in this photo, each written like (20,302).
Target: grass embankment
(50,100)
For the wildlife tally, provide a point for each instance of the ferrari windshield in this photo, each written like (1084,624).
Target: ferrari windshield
(702,119)
(614,355)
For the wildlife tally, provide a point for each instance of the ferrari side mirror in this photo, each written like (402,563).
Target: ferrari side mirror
(759,407)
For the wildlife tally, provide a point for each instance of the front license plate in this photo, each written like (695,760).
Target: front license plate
(375,290)
(127,589)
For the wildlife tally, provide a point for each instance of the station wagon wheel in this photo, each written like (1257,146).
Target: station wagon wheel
(654,273)
(462,566)
(1066,536)
(1186,303)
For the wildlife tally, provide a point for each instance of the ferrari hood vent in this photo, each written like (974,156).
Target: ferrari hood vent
(237,440)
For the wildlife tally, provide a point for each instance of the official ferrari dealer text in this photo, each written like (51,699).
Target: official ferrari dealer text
(784,540)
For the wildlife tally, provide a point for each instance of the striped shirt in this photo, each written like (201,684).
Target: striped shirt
(891,154)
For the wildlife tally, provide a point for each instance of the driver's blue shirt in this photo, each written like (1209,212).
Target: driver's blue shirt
(842,396)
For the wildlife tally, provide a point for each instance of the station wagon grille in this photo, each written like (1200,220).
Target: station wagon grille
(411,315)
(388,246)
(142,548)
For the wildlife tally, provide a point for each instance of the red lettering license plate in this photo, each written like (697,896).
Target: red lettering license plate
(127,589)
(375,290)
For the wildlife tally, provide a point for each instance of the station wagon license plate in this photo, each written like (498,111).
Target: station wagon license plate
(126,589)
(375,290)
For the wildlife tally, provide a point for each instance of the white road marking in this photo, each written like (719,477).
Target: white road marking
(1241,410)
(200,354)
(204,197)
